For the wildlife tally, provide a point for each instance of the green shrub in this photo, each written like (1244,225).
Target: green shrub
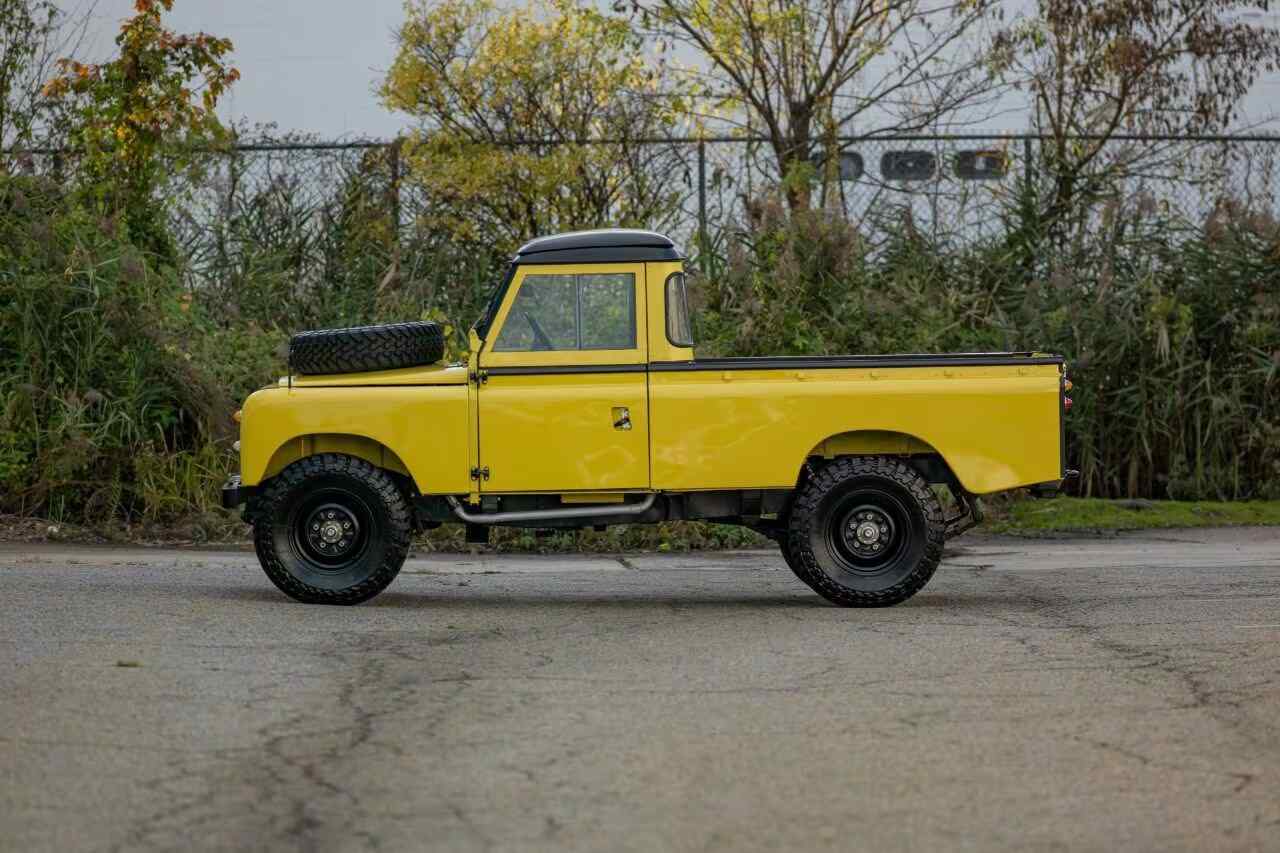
(95,359)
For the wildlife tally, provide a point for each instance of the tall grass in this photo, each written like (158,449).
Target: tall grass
(118,373)
(97,368)
(1171,330)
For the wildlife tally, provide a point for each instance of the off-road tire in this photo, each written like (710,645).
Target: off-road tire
(364,348)
(322,489)
(796,567)
(843,497)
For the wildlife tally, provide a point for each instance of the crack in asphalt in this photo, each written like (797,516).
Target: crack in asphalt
(291,782)
(382,735)
(1141,664)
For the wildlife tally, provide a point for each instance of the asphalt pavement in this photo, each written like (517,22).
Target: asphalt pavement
(1115,694)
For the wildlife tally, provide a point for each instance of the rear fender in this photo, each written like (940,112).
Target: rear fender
(917,452)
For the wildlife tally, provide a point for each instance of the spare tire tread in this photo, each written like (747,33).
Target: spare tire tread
(365,348)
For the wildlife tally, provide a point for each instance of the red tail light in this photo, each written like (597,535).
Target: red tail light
(1066,403)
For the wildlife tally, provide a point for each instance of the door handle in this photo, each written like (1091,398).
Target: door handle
(621,417)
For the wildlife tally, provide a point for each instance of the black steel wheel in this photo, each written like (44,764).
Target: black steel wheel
(865,532)
(332,529)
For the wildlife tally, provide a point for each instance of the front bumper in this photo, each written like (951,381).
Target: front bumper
(234,494)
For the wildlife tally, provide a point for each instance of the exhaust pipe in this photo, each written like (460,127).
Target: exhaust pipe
(596,511)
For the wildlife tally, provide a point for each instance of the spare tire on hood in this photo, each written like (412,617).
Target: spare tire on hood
(365,348)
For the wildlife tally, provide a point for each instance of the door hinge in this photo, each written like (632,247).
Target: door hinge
(478,377)
(480,473)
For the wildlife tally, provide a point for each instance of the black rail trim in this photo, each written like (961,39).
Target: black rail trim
(551,369)
(864,361)
(302,387)
(600,255)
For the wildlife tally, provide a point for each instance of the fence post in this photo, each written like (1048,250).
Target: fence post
(702,204)
(1026,156)
(394,191)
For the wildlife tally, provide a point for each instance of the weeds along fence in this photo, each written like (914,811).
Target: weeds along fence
(1167,302)
(948,188)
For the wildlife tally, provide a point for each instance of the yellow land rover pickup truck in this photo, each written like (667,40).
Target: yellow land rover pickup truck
(582,404)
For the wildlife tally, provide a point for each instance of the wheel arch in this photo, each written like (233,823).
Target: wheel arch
(915,451)
(349,443)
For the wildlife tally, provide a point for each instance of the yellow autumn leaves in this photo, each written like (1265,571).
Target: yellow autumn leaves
(499,95)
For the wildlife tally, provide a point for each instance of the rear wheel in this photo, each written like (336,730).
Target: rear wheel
(332,529)
(865,532)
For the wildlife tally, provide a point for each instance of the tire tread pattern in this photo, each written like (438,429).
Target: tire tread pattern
(805,513)
(398,520)
(794,563)
(362,348)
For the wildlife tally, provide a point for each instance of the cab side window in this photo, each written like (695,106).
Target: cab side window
(571,312)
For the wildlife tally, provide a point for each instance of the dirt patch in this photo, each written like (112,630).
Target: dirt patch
(14,528)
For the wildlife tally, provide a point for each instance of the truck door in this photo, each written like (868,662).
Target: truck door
(563,393)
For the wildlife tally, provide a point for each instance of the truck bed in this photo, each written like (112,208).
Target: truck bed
(726,423)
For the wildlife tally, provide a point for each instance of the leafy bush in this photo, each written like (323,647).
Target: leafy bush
(95,365)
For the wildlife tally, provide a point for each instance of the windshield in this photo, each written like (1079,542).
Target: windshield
(500,290)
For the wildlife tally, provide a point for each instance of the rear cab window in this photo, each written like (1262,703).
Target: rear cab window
(679,325)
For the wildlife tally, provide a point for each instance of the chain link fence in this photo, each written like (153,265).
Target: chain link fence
(949,188)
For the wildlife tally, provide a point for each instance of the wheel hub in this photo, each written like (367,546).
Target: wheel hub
(332,530)
(868,531)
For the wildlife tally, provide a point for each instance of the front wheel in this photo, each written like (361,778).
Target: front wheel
(332,529)
(866,532)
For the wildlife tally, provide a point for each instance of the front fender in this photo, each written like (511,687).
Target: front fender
(420,429)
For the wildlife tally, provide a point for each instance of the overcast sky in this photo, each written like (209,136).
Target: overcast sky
(304,65)
(314,66)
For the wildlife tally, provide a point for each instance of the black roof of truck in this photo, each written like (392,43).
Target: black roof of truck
(606,245)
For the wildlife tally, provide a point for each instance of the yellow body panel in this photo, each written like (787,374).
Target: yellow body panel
(661,349)
(434,374)
(542,432)
(547,433)
(997,427)
(594,498)
(546,421)
(423,427)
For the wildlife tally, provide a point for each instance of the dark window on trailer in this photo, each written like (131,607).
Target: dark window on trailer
(981,165)
(908,165)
